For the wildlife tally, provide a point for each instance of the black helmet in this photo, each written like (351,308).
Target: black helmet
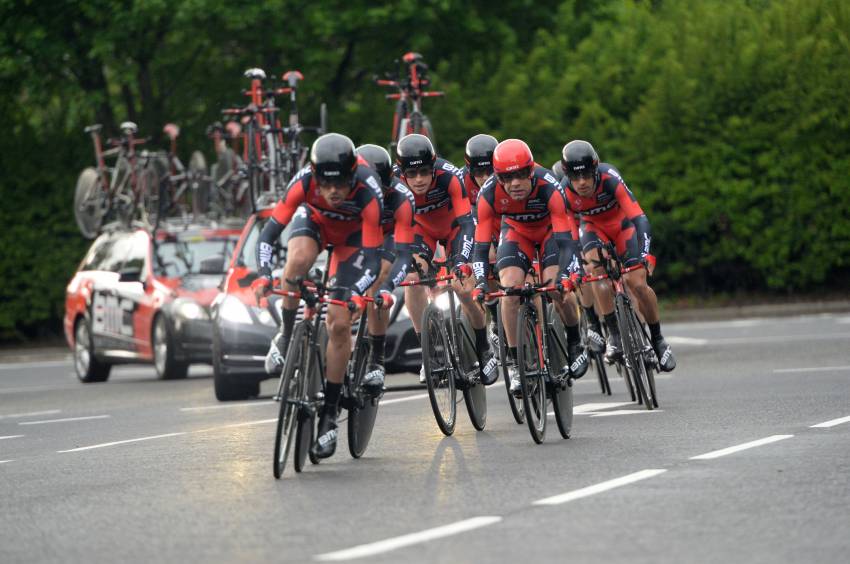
(479,152)
(578,158)
(379,159)
(558,170)
(415,151)
(332,157)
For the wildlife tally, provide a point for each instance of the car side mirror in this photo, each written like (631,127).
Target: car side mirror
(213,265)
(130,275)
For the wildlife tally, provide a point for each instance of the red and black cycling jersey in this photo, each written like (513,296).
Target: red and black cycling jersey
(397,219)
(541,214)
(611,203)
(443,208)
(472,189)
(357,218)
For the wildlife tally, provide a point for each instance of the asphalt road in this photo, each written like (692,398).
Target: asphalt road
(139,470)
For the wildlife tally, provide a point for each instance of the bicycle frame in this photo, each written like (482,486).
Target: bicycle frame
(410,91)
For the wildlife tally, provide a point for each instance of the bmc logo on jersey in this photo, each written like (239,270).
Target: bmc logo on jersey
(449,167)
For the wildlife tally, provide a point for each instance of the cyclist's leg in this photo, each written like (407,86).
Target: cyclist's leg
(592,239)
(377,323)
(513,261)
(416,297)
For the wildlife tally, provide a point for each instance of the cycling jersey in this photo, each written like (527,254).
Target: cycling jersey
(534,222)
(472,189)
(611,214)
(397,225)
(353,228)
(443,215)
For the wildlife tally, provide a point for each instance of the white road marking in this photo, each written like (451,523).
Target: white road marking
(685,341)
(232,425)
(395,543)
(824,425)
(624,412)
(589,407)
(43,364)
(5,461)
(31,414)
(11,437)
(780,339)
(601,487)
(738,448)
(65,420)
(407,398)
(102,445)
(810,369)
(36,389)
(227,405)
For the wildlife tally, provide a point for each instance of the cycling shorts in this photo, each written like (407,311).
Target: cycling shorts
(521,249)
(621,232)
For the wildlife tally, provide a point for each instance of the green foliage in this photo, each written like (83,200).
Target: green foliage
(728,118)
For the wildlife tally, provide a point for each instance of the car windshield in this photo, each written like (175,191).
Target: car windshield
(179,257)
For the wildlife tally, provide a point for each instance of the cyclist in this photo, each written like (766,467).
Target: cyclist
(595,340)
(396,254)
(610,212)
(333,201)
(530,204)
(442,216)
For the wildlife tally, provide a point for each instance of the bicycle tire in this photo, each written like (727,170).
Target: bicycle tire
(531,373)
(596,359)
(643,348)
(439,372)
(199,184)
(323,118)
(89,203)
(152,180)
(317,385)
(307,415)
(561,392)
(631,351)
(364,409)
(123,202)
(474,393)
(517,408)
(291,390)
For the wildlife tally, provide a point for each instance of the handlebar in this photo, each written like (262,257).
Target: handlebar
(527,291)
(350,305)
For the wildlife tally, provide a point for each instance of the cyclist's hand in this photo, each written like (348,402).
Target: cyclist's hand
(359,303)
(479,294)
(384,299)
(262,287)
(462,271)
(569,284)
(649,263)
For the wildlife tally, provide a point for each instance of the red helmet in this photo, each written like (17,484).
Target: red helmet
(511,155)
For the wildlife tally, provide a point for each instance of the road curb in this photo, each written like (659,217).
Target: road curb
(759,310)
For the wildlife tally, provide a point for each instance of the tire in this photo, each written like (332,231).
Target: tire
(560,392)
(229,387)
(123,204)
(199,184)
(154,192)
(364,408)
(531,373)
(162,342)
(439,372)
(428,130)
(89,203)
(517,408)
(290,391)
(632,352)
(474,394)
(88,368)
(317,384)
(596,359)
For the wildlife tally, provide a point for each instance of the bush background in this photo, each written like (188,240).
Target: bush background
(730,119)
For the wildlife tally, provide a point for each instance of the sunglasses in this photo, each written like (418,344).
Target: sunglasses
(339,183)
(505,177)
(478,170)
(578,174)
(419,171)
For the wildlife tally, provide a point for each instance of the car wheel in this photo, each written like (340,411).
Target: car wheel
(229,387)
(167,367)
(88,368)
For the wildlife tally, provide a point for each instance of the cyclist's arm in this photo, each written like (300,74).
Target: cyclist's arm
(373,237)
(565,233)
(281,216)
(487,223)
(629,205)
(463,216)
(403,238)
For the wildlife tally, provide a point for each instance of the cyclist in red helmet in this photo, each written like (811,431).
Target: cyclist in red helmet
(524,199)
(442,217)
(610,212)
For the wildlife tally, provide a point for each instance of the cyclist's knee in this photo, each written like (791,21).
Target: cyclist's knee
(339,325)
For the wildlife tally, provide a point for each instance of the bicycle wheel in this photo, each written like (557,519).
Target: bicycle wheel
(307,415)
(364,408)
(632,352)
(596,359)
(561,390)
(645,355)
(290,392)
(531,372)
(199,184)
(153,184)
(89,203)
(516,406)
(439,372)
(123,204)
(474,394)
(322,339)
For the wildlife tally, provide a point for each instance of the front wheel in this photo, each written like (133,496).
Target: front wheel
(532,372)
(290,394)
(166,364)
(516,405)
(474,393)
(364,408)
(633,351)
(88,368)
(439,372)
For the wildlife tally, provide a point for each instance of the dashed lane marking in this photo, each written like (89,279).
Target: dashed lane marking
(65,420)
(124,442)
(624,412)
(5,461)
(408,398)
(395,543)
(601,487)
(227,405)
(831,423)
(737,448)
(11,437)
(811,369)
(30,414)
(673,340)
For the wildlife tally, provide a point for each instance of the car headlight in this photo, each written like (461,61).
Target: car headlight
(235,311)
(443,302)
(265,317)
(187,309)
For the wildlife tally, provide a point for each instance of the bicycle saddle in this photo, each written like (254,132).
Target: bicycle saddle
(129,128)
(292,77)
(95,127)
(255,73)
(172,130)
(411,57)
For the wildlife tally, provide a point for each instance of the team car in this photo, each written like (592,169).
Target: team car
(141,296)
(242,330)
